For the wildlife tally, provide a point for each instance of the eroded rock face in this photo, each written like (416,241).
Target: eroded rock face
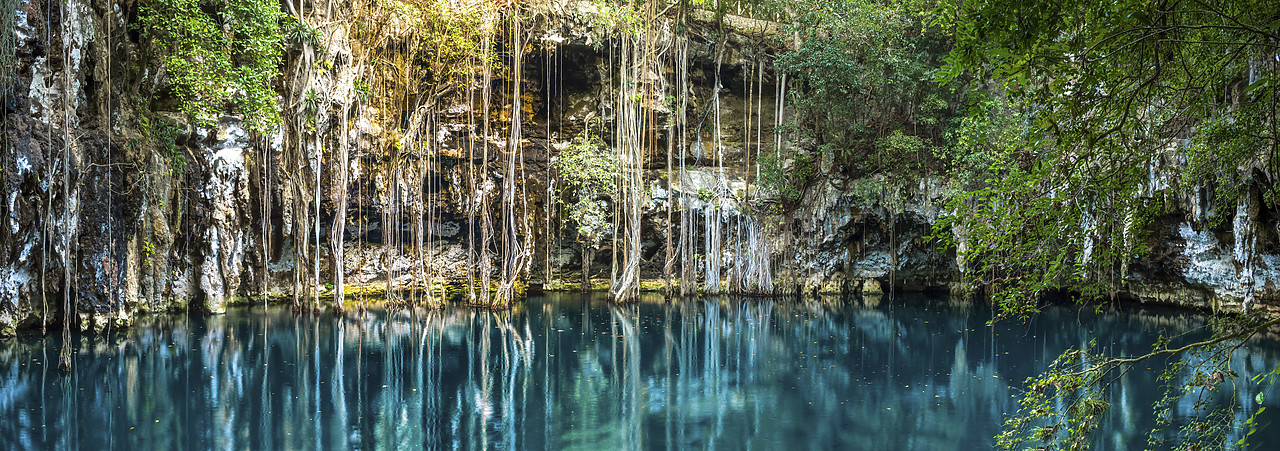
(1201,260)
(1199,269)
(845,241)
(47,144)
(98,212)
(226,236)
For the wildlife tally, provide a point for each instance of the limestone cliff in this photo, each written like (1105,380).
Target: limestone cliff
(116,207)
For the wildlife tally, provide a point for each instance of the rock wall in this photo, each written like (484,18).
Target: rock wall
(111,212)
(115,211)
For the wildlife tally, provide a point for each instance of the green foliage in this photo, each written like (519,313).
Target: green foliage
(148,253)
(859,97)
(1029,233)
(786,180)
(1266,383)
(446,36)
(164,134)
(774,10)
(362,90)
(311,101)
(1061,407)
(1127,79)
(612,18)
(1189,412)
(588,169)
(1221,147)
(219,56)
(902,147)
(1101,98)
(416,50)
(300,33)
(1090,101)
(986,141)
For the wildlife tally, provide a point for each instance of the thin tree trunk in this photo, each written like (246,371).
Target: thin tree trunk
(340,217)
(486,229)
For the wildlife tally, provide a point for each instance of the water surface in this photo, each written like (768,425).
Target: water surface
(574,372)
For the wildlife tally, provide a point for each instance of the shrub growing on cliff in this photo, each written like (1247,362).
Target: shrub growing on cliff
(858,98)
(219,56)
(587,170)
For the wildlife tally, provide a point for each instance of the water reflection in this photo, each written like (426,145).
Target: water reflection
(570,372)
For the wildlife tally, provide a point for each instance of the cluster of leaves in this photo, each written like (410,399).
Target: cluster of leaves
(300,33)
(588,170)
(987,141)
(1062,407)
(148,253)
(219,56)
(786,179)
(613,17)
(164,135)
(861,101)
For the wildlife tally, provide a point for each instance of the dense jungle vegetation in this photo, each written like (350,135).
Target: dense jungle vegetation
(1112,94)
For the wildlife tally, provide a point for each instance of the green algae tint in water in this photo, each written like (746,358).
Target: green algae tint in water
(571,372)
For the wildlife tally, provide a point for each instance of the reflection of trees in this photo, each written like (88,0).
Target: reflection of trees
(720,373)
(569,373)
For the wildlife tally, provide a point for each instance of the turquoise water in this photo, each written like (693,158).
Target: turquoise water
(574,372)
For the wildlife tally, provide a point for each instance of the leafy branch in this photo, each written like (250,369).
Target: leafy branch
(1062,407)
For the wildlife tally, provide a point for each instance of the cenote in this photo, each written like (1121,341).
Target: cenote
(184,157)
(569,371)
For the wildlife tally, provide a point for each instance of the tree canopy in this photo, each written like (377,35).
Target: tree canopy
(1130,107)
